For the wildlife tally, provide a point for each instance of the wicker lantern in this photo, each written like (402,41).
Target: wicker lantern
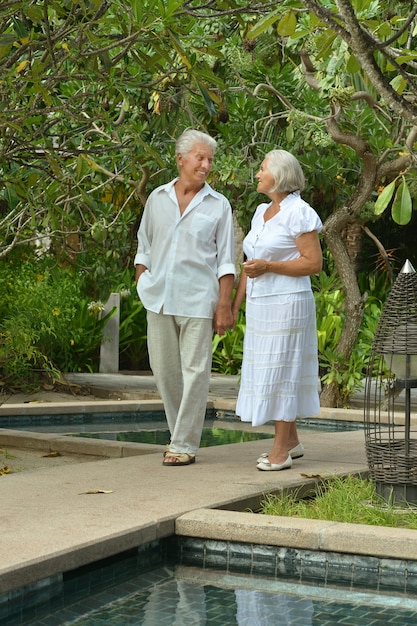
(390,438)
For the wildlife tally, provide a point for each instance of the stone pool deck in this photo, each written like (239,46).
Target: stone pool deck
(56,519)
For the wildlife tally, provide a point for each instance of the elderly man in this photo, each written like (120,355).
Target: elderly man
(185,275)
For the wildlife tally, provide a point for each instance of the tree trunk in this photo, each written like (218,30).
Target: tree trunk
(334,227)
(353,237)
(354,305)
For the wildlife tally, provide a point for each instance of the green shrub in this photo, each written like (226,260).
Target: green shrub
(133,329)
(330,310)
(46,325)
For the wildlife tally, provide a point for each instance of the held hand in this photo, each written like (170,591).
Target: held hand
(235,315)
(255,267)
(223,319)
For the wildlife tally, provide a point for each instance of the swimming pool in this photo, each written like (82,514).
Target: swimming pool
(97,589)
(160,584)
(150,419)
(217,433)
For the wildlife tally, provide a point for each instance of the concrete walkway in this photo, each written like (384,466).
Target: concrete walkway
(59,518)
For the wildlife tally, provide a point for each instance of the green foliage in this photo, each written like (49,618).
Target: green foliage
(330,297)
(90,98)
(397,192)
(107,248)
(74,343)
(228,348)
(347,499)
(132,328)
(46,325)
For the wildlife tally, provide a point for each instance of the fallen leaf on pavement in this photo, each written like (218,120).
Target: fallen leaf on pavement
(52,453)
(96,491)
(310,475)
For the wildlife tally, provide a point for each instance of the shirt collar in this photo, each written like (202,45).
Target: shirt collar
(206,190)
(291,196)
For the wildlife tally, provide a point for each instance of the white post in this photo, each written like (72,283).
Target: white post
(109,349)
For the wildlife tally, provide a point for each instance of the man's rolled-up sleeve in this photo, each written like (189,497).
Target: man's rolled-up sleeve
(226,243)
(143,254)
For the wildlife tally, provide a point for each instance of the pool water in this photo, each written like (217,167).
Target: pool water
(181,602)
(191,596)
(161,436)
(158,433)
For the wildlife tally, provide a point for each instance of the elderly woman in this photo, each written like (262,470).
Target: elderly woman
(279,379)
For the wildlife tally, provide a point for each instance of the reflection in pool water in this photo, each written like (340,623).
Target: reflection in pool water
(215,435)
(210,436)
(192,596)
(187,581)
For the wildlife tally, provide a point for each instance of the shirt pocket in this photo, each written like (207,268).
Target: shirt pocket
(202,227)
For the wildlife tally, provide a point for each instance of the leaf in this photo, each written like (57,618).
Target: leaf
(287,24)
(406,58)
(99,232)
(35,14)
(399,84)
(179,49)
(54,165)
(353,65)
(20,28)
(262,26)
(22,66)
(52,454)
(6,44)
(384,198)
(402,206)
(310,475)
(289,133)
(325,43)
(7,454)
(171,6)
(207,99)
(94,491)
(4,470)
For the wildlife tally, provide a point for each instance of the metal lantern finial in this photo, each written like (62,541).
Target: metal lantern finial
(407,268)
(391,443)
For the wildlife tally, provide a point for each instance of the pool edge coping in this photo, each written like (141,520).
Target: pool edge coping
(299,533)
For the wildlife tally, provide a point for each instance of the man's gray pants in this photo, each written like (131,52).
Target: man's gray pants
(180,356)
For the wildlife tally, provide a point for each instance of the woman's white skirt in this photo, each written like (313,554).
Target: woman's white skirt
(279,377)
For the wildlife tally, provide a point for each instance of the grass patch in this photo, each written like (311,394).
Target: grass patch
(349,499)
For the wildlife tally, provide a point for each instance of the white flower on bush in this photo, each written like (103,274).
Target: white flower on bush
(96,307)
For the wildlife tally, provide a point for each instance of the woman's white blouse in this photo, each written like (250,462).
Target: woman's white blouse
(274,240)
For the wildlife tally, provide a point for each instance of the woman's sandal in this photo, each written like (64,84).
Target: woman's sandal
(178,458)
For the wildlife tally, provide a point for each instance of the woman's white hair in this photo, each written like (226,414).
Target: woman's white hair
(286,171)
(190,137)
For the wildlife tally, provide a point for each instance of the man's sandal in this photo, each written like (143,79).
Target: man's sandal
(178,458)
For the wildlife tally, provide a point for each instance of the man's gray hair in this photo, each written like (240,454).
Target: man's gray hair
(286,171)
(190,137)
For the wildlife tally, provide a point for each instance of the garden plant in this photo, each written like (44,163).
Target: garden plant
(351,499)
